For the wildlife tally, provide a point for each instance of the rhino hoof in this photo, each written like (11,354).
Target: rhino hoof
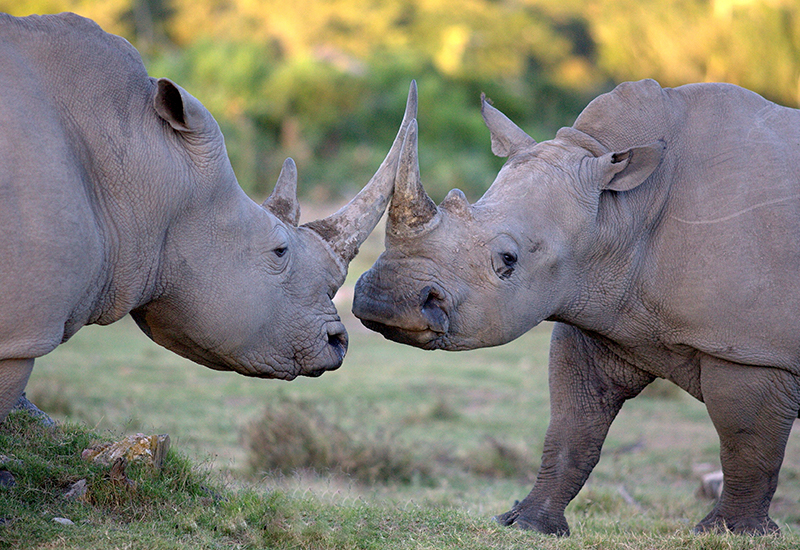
(534,522)
(738,526)
(506,519)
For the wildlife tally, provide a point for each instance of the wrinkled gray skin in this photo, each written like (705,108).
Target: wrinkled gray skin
(117,196)
(662,234)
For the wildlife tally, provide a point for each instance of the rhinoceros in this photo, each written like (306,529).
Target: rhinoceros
(661,234)
(117,196)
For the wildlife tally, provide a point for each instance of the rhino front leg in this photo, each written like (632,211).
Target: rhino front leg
(14,374)
(753,409)
(588,385)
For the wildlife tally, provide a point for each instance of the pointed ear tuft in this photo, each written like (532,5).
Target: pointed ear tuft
(626,170)
(176,106)
(283,202)
(507,137)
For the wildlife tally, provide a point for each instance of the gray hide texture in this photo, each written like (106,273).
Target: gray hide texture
(117,196)
(661,233)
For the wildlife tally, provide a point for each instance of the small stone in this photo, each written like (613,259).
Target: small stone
(160,447)
(7,479)
(700,468)
(711,486)
(77,490)
(150,449)
(63,521)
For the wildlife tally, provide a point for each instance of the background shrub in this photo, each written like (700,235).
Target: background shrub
(293,435)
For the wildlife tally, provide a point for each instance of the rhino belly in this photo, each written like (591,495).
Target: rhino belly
(51,278)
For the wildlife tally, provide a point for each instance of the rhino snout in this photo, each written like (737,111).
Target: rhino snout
(418,319)
(369,302)
(328,354)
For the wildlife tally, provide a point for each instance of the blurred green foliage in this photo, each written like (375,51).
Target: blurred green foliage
(325,81)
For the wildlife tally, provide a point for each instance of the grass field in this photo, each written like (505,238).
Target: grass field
(473,422)
(463,432)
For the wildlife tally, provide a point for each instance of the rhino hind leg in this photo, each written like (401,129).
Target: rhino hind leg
(753,410)
(14,374)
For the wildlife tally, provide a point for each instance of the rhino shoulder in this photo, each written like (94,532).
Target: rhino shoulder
(68,36)
(81,29)
(59,25)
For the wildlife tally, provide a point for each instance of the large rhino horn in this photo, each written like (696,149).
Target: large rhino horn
(346,229)
(411,207)
(283,200)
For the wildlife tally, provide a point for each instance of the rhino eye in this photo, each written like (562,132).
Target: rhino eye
(280,251)
(504,264)
(509,259)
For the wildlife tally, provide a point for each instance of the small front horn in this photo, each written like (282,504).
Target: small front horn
(283,200)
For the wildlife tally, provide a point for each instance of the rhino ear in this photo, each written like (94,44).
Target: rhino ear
(625,170)
(507,137)
(282,202)
(175,105)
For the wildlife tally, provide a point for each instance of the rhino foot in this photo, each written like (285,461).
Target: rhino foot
(23,404)
(534,520)
(715,523)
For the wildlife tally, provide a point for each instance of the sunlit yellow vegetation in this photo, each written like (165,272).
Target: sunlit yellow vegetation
(324,80)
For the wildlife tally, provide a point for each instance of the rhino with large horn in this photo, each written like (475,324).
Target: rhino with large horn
(661,234)
(118,197)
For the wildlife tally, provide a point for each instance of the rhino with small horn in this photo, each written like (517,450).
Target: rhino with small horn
(118,196)
(661,234)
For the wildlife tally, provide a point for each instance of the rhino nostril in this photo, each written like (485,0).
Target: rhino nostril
(432,302)
(337,339)
(429,296)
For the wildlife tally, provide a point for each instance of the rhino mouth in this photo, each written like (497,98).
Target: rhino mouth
(425,339)
(329,354)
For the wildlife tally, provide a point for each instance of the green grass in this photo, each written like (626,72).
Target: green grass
(186,506)
(474,420)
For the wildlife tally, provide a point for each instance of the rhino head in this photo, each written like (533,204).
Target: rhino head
(242,286)
(462,276)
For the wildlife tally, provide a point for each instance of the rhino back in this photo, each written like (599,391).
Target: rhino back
(70,96)
(720,262)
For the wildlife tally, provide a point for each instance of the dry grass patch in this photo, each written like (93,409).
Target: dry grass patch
(293,435)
